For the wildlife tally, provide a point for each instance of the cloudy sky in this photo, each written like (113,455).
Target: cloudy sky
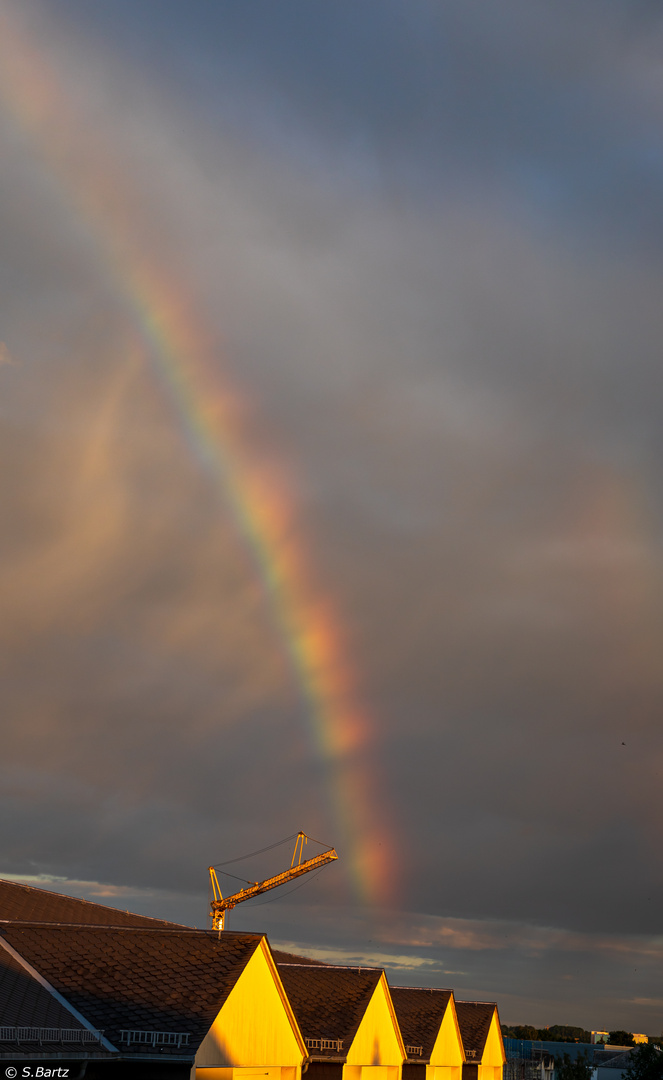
(330,391)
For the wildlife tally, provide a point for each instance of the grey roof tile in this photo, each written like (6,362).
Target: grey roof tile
(24,1002)
(420,1013)
(329,1002)
(133,978)
(28,904)
(293,958)
(474,1019)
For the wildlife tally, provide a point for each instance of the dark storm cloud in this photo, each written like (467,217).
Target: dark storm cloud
(556,106)
(428,236)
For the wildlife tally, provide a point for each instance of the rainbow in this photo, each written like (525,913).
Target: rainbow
(185,359)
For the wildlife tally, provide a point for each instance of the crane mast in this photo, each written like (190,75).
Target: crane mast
(298,866)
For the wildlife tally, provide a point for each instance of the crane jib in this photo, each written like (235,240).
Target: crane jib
(228,902)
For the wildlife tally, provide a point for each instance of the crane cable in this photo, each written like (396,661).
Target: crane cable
(290,891)
(270,847)
(261,851)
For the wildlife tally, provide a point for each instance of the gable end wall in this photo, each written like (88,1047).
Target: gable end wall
(255,1026)
(378,1040)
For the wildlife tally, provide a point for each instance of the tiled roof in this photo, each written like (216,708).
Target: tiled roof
(292,958)
(619,1061)
(24,1002)
(420,1013)
(329,1002)
(474,1019)
(135,979)
(33,1021)
(27,904)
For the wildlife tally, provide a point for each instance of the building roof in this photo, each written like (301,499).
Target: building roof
(130,978)
(24,1002)
(619,1061)
(27,904)
(32,1020)
(420,1013)
(474,1019)
(293,958)
(329,1002)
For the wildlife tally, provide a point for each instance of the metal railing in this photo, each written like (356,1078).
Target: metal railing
(324,1044)
(154,1038)
(48,1035)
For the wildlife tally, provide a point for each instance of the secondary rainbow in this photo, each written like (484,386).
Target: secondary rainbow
(186,360)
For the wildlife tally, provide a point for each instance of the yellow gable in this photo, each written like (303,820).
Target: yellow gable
(378,1040)
(493,1052)
(256,1025)
(448,1049)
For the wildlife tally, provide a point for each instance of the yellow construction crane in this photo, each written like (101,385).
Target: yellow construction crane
(219,905)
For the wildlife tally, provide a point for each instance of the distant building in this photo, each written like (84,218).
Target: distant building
(600,1037)
(527,1062)
(613,1068)
(638,1039)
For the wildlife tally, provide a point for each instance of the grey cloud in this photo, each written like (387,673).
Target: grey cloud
(462,376)
(555,105)
(493,960)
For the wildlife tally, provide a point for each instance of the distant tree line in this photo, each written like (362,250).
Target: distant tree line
(566,1033)
(556,1033)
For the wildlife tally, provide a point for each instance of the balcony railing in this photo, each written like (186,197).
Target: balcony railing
(48,1035)
(154,1038)
(324,1044)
